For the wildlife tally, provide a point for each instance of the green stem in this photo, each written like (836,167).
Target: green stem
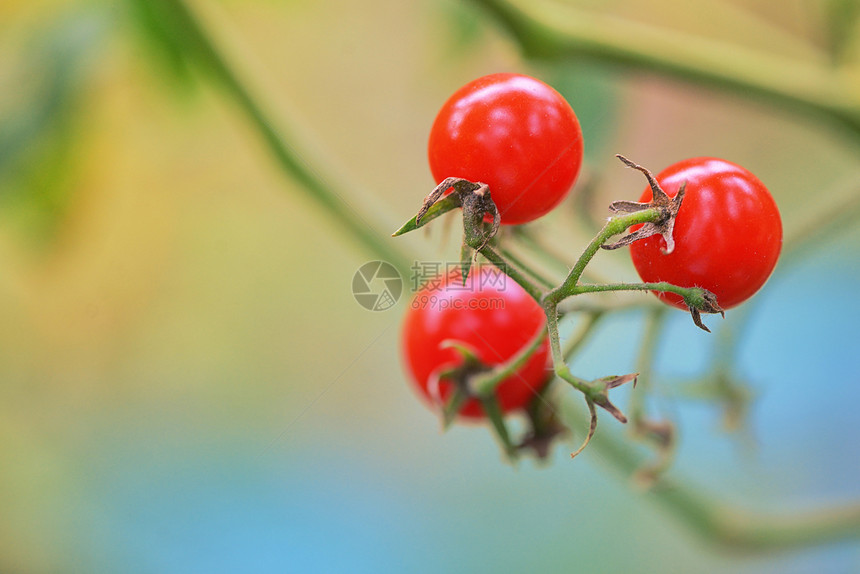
(198,44)
(556,31)
(537,276)
(526,238)
(497,419)
(486,384)
(685,292)
(614,226)
(547,253)
(493,257)
(715,522)
(820,229)
(645,363)
(559,364)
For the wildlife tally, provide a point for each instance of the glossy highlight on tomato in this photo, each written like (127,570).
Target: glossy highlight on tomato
(492,316)
(728,233)
(514,133)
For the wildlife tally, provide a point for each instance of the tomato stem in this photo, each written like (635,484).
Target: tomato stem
(496,259)
(560,32)
(712,519)
(497,419)
(654,322)
(594,391)
(516,260)
(295,161)
(486,383)
(659,433)
(615,226)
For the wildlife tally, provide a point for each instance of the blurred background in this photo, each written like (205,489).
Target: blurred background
(188,385)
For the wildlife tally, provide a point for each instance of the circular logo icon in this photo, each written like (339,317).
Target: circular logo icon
(377,285)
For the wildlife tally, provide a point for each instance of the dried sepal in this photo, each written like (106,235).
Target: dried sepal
(544,424)
(591,428)
(493,412)
(451,408)
(661,432)
(437,193)
(706,303)
(441,207)
(476,204)
(458,375)
(540,440)
(667,206)
(618,380)
(601,395)
(475,199)
(662,435)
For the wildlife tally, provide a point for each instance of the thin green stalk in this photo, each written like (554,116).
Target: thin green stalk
(559,364)
(537,276)
(662,286)
(555,31)
(493,257)
(654,321)
(544,31)
(822,228)
(527,239)
(614,226)
(201,48)
(486,384)
(548,254)
(717,523)
(497,419)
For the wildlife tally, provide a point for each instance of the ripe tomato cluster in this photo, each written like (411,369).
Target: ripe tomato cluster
(522,139)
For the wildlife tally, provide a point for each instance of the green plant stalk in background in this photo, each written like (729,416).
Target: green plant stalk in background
(555,31)
(181,26)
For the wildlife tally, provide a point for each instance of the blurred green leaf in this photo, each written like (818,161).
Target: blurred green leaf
(464,29)
(39,129)
(159,32)
(841,21)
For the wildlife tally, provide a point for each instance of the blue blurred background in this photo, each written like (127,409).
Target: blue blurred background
(188,385)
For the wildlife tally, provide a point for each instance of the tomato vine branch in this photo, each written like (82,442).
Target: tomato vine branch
(717,523)
(554,31)
(190,33)
(527,268)
(485,384)
(499,261)
(615,226)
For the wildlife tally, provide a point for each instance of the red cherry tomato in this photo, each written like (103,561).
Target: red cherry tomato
(728,233)
(491,315)
(514,133)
